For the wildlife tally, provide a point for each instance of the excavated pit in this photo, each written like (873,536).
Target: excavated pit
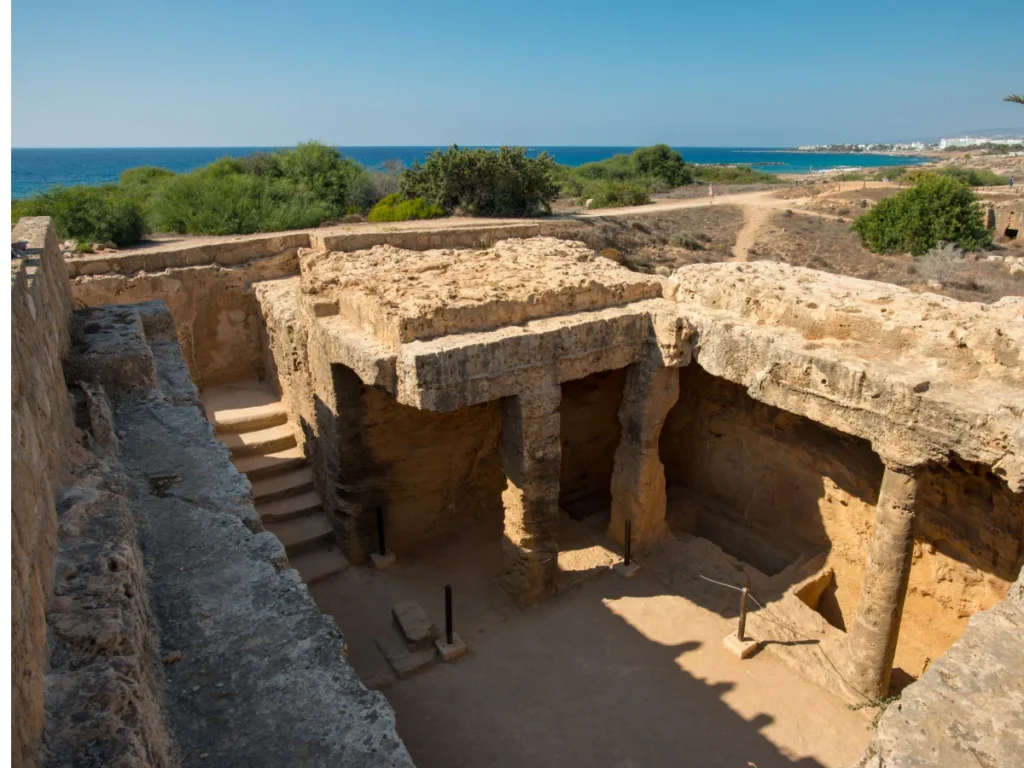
(508,405)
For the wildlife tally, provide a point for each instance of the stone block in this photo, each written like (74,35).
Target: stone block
(451,651)
(401,659)
(413,623)
(380,562)
(744,648)
(627,571)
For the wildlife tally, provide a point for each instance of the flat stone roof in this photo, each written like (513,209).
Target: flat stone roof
(399,296)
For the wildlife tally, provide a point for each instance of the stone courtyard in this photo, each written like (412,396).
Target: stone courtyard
(285,447)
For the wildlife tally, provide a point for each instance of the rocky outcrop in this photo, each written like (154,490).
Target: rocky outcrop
(967,710)
(254,674)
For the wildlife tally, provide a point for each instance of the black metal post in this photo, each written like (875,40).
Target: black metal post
(448,613)
(380,532)
(741,629)
(629,540)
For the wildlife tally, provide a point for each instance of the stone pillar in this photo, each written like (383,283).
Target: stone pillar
(875,630)
(638,477)
(531,456)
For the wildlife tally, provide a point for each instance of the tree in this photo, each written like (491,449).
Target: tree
(1015,98)
(664,163)
(937,209)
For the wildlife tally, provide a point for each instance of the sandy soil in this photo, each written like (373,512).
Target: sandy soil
(610,673)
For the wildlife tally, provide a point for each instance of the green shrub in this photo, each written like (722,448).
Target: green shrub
(483,182)
(976,177)
(893,173)
(662,162)
(733,174)
(614,194)
(850,176)
(97,214)
(395,208)
(144,177)
(938,208)
(204,203)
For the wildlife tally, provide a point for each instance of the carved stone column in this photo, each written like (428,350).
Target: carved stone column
(875,630)
(531,456)
(638,477)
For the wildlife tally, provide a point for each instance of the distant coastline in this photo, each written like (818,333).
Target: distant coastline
(35,170)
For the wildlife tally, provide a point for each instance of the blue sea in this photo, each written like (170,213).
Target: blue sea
(34,170)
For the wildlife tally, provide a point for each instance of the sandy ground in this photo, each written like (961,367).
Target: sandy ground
(612,673)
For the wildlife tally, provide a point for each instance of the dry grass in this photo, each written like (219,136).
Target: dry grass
(671,239)
(830,246)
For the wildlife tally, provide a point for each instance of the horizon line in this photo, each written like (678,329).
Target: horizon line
(426,146)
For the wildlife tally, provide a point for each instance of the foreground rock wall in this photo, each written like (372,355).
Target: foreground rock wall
(966,710)
(254,674)
(104,685)
(801,480)
(40,424)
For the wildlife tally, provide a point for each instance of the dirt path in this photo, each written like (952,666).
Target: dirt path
(754,219)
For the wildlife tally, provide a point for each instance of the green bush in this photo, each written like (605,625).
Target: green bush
(733,174)
(144,177)
(96,214)
(937,209)
(396,208)
(662,162)
(205,203)
(613,194)
(483,182)
(976,177)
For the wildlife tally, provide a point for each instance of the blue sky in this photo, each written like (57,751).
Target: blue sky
(111,73)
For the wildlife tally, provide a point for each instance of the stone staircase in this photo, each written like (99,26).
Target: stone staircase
(252,422)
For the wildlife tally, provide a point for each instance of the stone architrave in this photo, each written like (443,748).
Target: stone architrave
(872,640)
(531,456)
(638,477)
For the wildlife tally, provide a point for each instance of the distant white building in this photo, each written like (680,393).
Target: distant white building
(968,141)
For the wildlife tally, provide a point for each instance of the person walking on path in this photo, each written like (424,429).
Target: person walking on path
(711,194)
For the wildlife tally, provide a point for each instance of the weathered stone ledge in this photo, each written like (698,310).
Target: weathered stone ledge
(968,707)
(254,674)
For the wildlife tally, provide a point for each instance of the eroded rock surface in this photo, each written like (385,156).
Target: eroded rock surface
(967,710)
(398,296)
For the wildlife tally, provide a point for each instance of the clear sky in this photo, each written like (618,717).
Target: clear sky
(113,73)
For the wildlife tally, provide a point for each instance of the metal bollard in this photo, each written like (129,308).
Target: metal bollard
(448,613)
(743,615)
(380,532)
(629,540)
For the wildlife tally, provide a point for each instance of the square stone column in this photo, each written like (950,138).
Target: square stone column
(531,456)
(638,477)
(872,640)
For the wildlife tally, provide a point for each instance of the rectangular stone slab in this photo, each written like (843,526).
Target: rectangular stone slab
(397,296)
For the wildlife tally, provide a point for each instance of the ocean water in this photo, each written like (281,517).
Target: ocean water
(33,170)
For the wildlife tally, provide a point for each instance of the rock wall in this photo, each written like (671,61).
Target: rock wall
(429,472)
(967,710)
(214,309)
(590,433)
(253,674)
(40,425)
(769,486)
(104,686)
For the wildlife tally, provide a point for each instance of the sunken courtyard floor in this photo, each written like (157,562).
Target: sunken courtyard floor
(609,672)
